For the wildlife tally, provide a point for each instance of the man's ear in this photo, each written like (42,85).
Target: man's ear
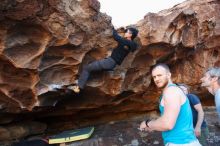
(169,74)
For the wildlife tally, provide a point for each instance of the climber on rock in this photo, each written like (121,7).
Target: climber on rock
(125,45)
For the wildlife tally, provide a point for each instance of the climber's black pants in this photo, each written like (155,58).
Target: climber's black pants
(99,65)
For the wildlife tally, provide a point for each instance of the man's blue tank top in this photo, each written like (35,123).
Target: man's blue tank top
(183,131)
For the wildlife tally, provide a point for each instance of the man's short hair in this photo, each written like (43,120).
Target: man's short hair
(163,65)
(134,32)
(214,72)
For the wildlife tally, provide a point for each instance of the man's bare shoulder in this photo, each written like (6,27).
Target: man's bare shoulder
(172,91)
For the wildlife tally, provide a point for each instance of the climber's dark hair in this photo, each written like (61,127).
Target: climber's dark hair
(134,32)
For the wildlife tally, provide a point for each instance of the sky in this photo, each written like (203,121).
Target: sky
(126,12)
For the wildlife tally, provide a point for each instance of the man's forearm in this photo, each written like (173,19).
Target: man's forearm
(160,124)
(116,36)
(200,119)
(120,39)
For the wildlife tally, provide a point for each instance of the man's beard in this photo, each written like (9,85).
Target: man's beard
(210,90)
(165,84)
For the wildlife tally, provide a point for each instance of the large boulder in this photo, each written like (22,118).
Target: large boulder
(47,42)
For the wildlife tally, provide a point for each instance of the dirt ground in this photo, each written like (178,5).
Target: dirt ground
(126,133)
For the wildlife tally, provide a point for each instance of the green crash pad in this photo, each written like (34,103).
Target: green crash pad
(71,135)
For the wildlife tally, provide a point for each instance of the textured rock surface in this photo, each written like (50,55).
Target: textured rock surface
(43,43)
(20,130)
(46,42)
(185,36)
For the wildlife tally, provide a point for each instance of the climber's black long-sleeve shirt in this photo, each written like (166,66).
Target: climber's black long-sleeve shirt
(124,47)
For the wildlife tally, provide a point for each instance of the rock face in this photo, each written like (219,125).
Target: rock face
(186,37)
(47,42)
(44,43)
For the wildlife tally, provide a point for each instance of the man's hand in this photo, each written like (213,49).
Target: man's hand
(121,30)
(144,127)
(197,131)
